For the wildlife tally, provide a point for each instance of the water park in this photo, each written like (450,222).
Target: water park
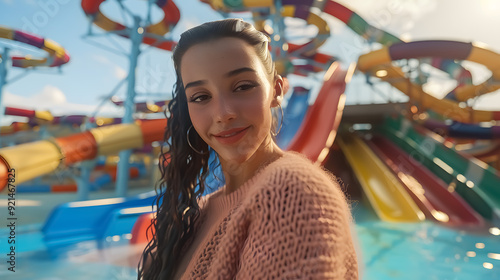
(410,126)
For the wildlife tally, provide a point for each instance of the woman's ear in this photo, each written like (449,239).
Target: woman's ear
(280,88)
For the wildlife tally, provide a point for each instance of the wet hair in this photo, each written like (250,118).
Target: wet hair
(184,170)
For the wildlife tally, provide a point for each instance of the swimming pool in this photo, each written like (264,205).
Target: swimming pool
(389,251)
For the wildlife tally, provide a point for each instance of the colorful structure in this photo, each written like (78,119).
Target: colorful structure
(378,64)
(411,178)
(47,155)
(160,28)
(57,54)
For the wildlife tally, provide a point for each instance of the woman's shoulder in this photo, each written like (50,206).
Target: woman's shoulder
(295,172)
(293,183)
(294,166)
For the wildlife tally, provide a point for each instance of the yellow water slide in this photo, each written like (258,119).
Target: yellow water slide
(386,195)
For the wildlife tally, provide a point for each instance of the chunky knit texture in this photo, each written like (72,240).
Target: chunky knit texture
(289,221)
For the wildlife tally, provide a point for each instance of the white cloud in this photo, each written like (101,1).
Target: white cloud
(50,95)
(120,73)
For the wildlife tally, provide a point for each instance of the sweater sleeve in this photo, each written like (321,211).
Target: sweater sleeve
(299,230)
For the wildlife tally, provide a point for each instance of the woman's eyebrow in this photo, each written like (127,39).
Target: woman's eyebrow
(228,74)
(195,83)
(239,70)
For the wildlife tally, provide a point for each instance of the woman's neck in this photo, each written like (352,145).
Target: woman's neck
(237,173)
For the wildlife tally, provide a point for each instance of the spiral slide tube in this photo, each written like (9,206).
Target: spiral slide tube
(57,54)
(349,17)
(316,61)
(378,63)
(170,19)
(371,33)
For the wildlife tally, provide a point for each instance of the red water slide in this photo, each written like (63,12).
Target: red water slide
(430,192)
(322,119)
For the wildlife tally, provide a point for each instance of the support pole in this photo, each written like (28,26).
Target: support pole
(136,34)
(83,180)
(3,78)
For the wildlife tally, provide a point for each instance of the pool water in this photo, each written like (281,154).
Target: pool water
(389,251)
(425,250)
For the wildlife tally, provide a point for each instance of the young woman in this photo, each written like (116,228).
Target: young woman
(278,215)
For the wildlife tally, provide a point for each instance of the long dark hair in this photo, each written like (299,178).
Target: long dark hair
(183,178)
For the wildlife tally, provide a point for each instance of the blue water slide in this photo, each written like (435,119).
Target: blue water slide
(294,114)
(90,220)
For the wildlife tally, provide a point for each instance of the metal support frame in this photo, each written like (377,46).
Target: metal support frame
(122,176)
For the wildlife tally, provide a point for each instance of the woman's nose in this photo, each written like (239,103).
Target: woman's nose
(225,110)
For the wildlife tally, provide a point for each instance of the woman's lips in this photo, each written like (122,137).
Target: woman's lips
(231,136)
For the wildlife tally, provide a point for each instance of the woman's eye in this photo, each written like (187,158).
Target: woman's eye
(199,98)
(245,87)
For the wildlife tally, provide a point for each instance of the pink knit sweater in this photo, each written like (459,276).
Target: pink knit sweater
(289,221)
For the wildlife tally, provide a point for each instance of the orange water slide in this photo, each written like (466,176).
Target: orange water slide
(27,161)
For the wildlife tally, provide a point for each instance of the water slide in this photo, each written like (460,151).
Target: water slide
(153,33)
(429,191)
(294,115)
(321,122)
(46,156)
(57,54)
(37,117)
(478,173)
(475,181)
(379,64)
(77,220)
(387,196)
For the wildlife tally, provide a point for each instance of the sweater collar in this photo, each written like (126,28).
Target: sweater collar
(223,202)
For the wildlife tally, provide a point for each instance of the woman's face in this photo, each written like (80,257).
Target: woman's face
(229,95)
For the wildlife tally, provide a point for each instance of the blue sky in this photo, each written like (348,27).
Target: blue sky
(93,72)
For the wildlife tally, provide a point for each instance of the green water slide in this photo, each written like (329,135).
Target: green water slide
(475,181)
